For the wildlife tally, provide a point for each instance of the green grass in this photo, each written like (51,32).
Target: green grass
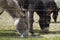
(8,30)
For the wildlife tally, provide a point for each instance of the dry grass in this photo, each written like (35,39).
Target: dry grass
(8,30)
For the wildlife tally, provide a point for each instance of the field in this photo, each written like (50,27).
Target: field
(8,30)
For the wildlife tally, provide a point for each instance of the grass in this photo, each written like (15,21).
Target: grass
(8,30)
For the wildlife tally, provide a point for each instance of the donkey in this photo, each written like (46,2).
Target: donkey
(44,9)
(20,18)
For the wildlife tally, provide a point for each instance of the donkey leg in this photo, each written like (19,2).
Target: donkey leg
(55,15)
(31,22)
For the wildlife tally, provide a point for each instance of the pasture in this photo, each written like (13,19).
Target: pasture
(8,30)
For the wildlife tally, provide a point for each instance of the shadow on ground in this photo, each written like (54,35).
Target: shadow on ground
(8,33)
(50,32)
(13,33)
